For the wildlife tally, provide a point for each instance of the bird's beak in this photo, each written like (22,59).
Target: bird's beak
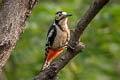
(65,16)
(68,15)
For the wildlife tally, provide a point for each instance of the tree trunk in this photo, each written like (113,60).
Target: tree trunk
(13,15)
(3,76)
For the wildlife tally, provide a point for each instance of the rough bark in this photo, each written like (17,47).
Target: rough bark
(55,67)
(3,76)
(13,15)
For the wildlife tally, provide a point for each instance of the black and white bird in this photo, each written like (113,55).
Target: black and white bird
(57,37)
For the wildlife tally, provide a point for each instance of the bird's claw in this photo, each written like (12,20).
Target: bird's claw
(70,46)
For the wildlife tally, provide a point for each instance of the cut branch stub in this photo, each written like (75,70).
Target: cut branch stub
(78,47)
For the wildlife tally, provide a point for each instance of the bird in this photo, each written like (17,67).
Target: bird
(58,37)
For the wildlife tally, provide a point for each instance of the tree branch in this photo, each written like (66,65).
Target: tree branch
(13,15)
(55,67)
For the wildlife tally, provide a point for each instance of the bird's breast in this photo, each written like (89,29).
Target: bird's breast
(61,38)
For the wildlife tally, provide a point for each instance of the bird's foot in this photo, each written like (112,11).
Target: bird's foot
(68,45)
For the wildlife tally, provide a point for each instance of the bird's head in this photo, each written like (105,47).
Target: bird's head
(61,16)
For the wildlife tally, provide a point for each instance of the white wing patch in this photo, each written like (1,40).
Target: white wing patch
(50,34)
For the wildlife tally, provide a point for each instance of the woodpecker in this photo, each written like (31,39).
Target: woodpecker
(57,38)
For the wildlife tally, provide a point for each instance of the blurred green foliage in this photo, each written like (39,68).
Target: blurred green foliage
(99,61)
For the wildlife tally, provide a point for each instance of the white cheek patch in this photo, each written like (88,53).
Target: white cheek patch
(64,13)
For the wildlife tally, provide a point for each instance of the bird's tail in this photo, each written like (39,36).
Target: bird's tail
(45,65)
(51,55)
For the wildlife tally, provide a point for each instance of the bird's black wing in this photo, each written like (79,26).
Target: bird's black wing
(50,37)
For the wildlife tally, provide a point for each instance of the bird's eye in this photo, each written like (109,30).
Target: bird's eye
(60,14)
